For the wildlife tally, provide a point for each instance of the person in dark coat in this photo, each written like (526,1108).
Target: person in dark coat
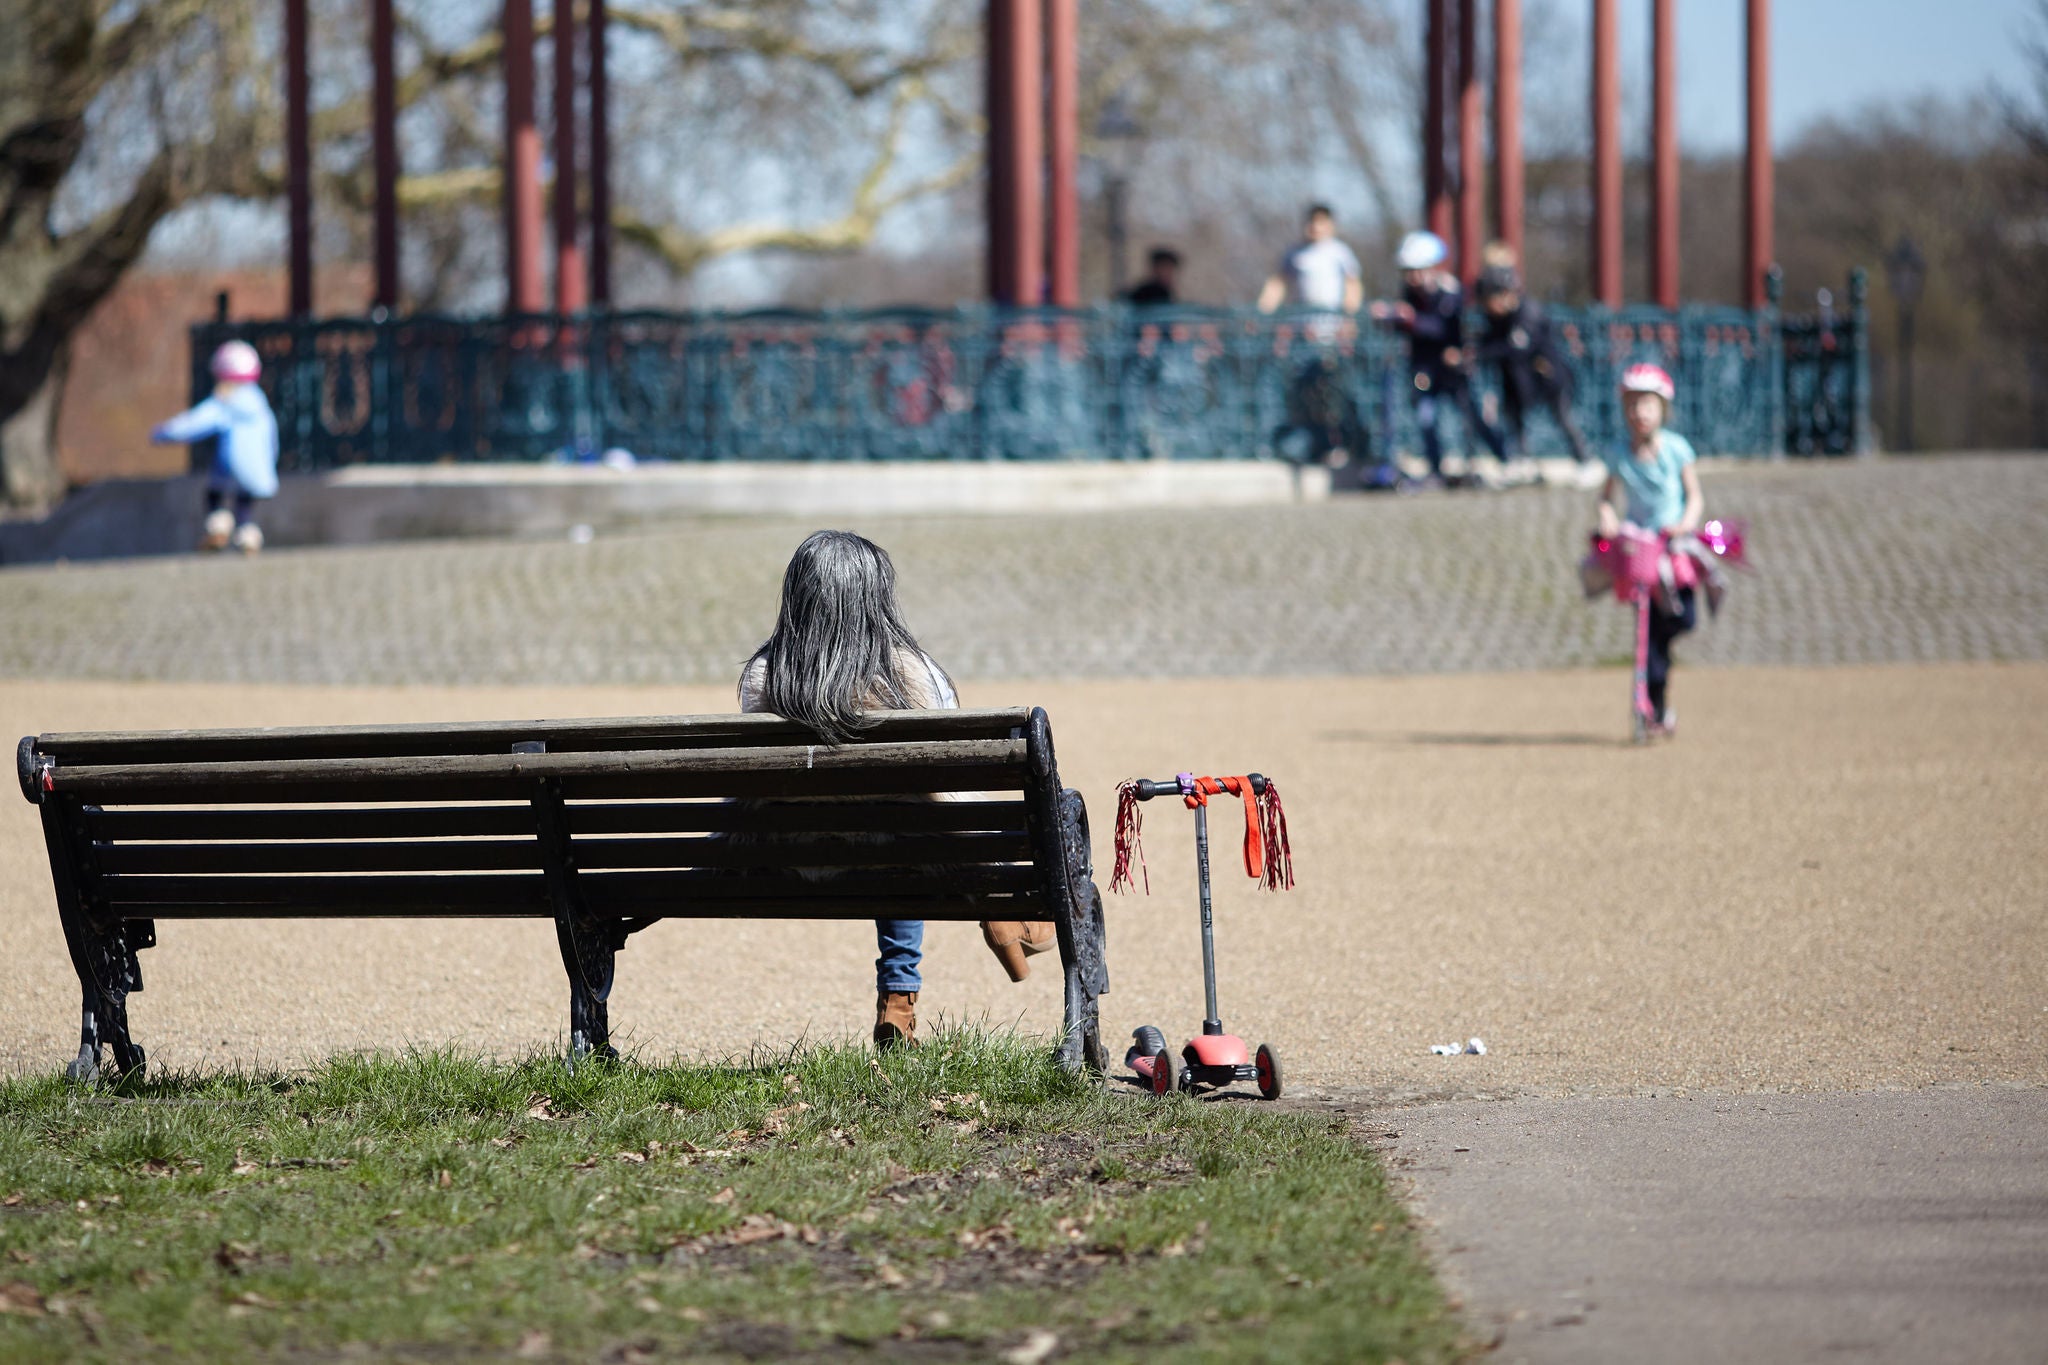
(1160,285)
(1527,355)
(1431,311)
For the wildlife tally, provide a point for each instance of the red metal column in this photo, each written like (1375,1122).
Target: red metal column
(298,157)
(522,165)
(384,150)
(1436,198)
(1664,154)
(1606,277)
(1016,230)
(1063,147)
(1757,246)
(600,161)
(571,294)
(1507,118)
(1471,156)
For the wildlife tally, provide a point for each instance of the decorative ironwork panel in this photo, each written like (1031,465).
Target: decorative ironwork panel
(1174,383)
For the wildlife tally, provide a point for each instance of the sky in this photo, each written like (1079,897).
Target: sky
(1832,57)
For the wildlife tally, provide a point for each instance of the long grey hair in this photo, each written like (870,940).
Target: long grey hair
(840,645)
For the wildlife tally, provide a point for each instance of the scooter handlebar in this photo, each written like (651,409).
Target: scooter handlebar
(1147,788)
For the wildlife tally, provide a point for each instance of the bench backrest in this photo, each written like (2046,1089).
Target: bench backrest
(731,815)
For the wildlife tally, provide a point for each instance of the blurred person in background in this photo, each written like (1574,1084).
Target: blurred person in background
(238,418)
(1162,273)
(1317,272)
(1321,273)
(1431,310)
(1529,360)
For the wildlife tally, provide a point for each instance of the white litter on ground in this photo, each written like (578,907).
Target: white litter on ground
(1471,1047)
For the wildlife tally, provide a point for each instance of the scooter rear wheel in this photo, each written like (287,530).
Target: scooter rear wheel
(1166,1074)
(1267,1062)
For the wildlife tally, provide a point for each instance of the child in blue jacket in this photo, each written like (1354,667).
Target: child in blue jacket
(244,453)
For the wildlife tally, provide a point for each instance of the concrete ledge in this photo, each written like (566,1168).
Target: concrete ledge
(368,504)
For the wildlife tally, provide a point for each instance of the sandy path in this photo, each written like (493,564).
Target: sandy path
(1835,880)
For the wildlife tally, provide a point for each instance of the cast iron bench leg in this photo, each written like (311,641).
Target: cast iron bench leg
(588,953)
(588,945)
(103,955)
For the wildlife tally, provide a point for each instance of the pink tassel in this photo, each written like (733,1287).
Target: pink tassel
(1729,539)
(1279,873)
(1128,823)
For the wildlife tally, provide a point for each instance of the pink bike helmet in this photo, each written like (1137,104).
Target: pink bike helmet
(237,361)
(1648,379)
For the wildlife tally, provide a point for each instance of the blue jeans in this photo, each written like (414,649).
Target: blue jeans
(901,942)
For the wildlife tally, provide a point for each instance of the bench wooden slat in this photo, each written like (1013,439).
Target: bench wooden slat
(680,889)
(311,822)
(623,786)
(120,824)
(495,737)
(781,770)
(219,860)
(941,850)
(636,906)
(320,896)
(893,817)
(466,855)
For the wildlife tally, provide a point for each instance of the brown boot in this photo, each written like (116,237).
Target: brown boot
(1014,940)
(896,1019)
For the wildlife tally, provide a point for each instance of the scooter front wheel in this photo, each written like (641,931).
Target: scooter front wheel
(1267,1063)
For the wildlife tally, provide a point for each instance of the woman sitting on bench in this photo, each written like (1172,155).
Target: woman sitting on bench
(840,648)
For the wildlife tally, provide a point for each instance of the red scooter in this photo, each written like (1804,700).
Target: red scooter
(1215,1059)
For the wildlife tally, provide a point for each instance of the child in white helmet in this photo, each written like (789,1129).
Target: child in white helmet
(1654,484)
(238,416)
(1431,311)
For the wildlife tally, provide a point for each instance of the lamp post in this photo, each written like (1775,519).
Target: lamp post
(1118,132)
(1905,270)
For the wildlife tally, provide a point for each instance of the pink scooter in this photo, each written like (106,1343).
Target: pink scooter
(1215,1058)
(1633,559)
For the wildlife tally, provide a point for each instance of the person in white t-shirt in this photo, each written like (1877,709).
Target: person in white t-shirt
(1317,272)
(1321,273)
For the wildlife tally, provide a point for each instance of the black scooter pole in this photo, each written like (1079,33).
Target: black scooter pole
(1213,1022)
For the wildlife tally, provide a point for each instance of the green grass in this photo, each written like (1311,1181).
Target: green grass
(945,1204)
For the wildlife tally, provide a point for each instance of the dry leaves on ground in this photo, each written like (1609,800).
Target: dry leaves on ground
(21,1298)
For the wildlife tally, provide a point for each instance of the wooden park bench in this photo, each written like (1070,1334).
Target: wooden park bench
(604,826)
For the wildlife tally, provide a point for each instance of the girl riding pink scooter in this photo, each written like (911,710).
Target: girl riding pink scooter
(1654,546)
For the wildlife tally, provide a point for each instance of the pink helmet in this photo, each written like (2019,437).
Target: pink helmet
(236,360)
(1648,379)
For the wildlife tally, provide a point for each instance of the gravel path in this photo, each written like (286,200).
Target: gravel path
(1874,562)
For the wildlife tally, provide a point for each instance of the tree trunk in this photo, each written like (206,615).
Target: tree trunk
(29,476)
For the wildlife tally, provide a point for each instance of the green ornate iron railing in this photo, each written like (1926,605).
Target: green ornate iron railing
(979,383)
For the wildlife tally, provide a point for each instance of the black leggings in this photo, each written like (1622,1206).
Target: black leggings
(1666,626)
(245,506)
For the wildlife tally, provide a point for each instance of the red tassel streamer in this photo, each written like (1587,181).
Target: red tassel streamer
(1128,850)
(1279,870)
